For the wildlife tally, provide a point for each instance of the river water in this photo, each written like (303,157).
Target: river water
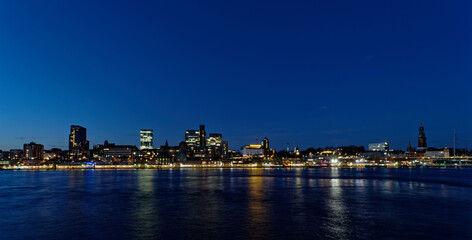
(328,203)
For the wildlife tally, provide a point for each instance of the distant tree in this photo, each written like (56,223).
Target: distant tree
(282,154)
(309,151)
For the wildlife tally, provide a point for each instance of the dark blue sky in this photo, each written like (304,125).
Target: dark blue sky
(311,73)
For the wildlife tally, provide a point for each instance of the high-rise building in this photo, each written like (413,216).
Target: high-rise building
(265,143)
(224,147)
(78,143)
(378,147)
(215,139)
(202,136)
(192,138)
(267,151)
(214,144)
(421,140)
(33,151)
(147,139)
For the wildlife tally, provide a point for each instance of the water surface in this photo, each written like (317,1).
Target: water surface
(331,203)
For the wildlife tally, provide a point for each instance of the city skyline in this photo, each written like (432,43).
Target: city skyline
(308,73)
(421,140)
(267,119)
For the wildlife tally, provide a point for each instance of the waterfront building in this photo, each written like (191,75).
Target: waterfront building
(269,153)
(16,154)
(78,143)
(49,155)
(4,158)
(224,146)
(378,147)
(97,152)
(265,143)
(215,139)
(53,154)
(202,136)
(184,149)
(148,155)
(422,140)
(373,155)
(253,150)
(192,138)
(147,139)
(215,144)
(119,153)
(349,150)
(12,156)
(437,153)
(171,150)
(164,158)
(197,141)
(296,151)
(33,151)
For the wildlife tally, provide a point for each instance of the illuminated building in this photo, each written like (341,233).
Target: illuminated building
(437,153)
(421,140)
(296,150)
(202,136)
(78,143)
(373,155)
(97,152)
(171,150)
(147,139)
(33,151)
(265,143)
(224,147)
(183,149)
(48,155)
(215,139)
(164,158)
(378,147)
(215,144)
(254,150)
(53,154)
(269,153)
(119,153)
(16,154)
(196,140)
(349,150)
(192,138)
(148,155)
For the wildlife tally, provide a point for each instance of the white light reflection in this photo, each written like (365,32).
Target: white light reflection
(337,221)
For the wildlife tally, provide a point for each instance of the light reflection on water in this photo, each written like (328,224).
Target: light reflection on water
(145,213)
(337,221)
(327,203)
(257,214)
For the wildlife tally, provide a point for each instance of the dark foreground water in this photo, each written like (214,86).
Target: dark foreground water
(237,204)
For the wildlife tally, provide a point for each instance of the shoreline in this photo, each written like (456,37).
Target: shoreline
(163,167)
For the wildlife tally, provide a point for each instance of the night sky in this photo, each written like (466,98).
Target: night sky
(310,73)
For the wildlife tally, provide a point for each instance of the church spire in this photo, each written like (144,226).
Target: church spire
(409,149)
(421,139)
